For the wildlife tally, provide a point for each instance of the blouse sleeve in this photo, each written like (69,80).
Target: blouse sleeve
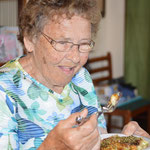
(85,86)
(8,124)
(101,119)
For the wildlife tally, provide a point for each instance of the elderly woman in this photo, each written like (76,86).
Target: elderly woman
(42,93)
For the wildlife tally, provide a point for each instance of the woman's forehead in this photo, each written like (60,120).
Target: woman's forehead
(67,24)
(74,29)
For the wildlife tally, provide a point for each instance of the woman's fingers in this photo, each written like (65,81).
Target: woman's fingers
(130,128)
(90,125)
(84,137)
(71,120)
(133,128)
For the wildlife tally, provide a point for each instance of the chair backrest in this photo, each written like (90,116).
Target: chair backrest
(98,67)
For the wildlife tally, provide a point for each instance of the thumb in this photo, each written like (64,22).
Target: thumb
(71,120)
(129,129)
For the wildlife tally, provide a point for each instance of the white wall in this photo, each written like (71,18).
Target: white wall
(8,12)
(111,35)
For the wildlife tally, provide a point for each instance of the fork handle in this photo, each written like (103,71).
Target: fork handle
(81,120)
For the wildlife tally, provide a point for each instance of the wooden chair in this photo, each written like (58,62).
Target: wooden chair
(130,109)
(94,67)
(127,110)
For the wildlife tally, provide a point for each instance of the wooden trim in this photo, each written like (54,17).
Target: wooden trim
(92,60)
(140,110)
(110,64)
(102,7)
(21,4)
(1,64)
(97,81)
(99,69)
(127,115)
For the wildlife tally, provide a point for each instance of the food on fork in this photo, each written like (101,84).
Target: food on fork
(123,143)
(114,99)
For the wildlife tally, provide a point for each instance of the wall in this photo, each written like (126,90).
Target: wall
(8,12)
(111,35)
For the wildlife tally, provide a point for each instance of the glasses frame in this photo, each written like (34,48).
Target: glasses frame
(51,41)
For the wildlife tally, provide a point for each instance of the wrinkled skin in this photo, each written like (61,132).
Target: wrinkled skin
(64,137)
(133,128)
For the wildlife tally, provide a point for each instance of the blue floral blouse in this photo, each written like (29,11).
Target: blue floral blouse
(29,110)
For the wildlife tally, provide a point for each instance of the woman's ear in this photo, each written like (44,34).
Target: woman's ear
(29,45)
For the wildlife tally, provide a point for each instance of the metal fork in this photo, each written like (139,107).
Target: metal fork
(110,107)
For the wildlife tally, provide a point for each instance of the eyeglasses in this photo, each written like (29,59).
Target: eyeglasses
(64,46)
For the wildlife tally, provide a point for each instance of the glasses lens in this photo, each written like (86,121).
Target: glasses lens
(62,46)
(86,47)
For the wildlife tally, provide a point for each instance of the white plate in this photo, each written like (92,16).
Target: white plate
(103,136)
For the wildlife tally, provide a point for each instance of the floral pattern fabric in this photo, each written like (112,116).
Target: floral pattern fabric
(29,110)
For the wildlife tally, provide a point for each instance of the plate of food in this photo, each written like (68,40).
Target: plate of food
(114,141)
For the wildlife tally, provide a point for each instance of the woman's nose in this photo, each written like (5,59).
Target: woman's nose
(73,54)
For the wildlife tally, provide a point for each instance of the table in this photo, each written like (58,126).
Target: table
(130,109)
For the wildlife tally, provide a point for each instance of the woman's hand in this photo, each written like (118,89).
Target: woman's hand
(133,128)
(64,137)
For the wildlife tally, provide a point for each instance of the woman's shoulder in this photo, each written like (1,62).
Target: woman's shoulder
(9,70)
(82,78)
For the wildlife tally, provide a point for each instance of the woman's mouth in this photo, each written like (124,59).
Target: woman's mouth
(67,70)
